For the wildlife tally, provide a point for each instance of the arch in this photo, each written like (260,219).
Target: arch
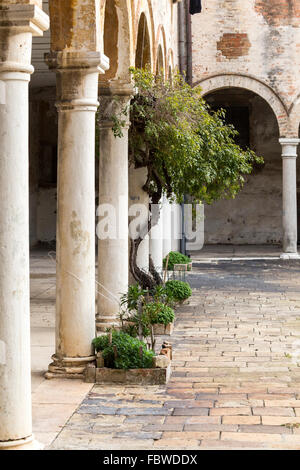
(145,7)
(160,63)
(160,50)
(117,39)
(143,55)
(294,118)
(170,60)
(221,81)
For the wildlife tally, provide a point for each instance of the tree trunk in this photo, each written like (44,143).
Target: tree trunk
(146,280)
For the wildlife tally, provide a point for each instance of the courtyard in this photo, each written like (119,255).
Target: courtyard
(235,380)
(108,110)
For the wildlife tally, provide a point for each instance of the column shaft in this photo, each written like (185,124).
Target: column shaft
(113,198)
(137,196)
(156,241)
(77,90)
(289,197)
(167,227)
(15,367)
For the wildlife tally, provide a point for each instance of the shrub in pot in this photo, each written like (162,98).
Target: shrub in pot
(159,313)
(176,258)
(178,290)
(122,351)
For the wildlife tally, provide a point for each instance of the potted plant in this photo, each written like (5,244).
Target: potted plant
(161,317)
(122,358)
(147,313)
(175,258)
(178,290)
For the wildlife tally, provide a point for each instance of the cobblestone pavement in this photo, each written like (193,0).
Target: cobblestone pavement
(236,377)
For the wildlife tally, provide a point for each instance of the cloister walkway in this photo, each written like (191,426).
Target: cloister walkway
(236,375)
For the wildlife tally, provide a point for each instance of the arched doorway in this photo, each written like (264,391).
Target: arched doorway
(117,40)
(160,69)
(110,39)
(254,217)
(143,48)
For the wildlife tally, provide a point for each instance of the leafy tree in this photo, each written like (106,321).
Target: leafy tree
(186,147)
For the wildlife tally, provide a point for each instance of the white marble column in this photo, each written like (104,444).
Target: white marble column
(156,241)
(167,226)
(77,94)
(113,197)
(289,197)
(18,23)
(137,179)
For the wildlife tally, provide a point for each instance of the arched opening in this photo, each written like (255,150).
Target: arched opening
(111,33)
(143,48)
(160,69)
(255,215)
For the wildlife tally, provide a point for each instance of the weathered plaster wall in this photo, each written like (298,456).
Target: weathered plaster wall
(252,44)
(259,38)
(254,216)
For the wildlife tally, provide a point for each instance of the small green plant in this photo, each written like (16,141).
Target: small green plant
(157,312)
(160,294)
(131,299)
(179,290)
(122,351)
(175,258)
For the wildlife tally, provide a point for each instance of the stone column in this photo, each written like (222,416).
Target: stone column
(156,240)
(137,179)
(18,22)
(77,92)
(167,227)
(289,197)
(113,204)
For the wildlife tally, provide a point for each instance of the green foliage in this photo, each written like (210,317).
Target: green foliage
(131,317)
(157,312)
(124,351)
(101,342)
(187,147)
(132,322)
(131,299)
(175,258)
(179,290)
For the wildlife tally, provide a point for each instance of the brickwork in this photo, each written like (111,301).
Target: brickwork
(235,382)
(233,45)
(258,39)
(279,12)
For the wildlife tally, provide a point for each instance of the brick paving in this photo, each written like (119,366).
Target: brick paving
(236,375)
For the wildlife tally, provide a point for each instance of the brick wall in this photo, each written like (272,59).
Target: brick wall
(260,38)
(252,44)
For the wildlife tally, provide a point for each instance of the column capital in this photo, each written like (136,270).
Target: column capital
(114,97)
(116,87)
(68,61)
(77,78)
(289,147)
(24,18)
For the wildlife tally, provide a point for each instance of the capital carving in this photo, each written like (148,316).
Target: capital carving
(113,105)
(114,98)
(88,61)
(24,17)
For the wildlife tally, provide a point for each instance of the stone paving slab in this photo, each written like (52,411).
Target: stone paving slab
(236,375)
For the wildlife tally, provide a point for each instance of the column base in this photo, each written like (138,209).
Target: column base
(28,443)
(105,322)
(290,256)
(68,367)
